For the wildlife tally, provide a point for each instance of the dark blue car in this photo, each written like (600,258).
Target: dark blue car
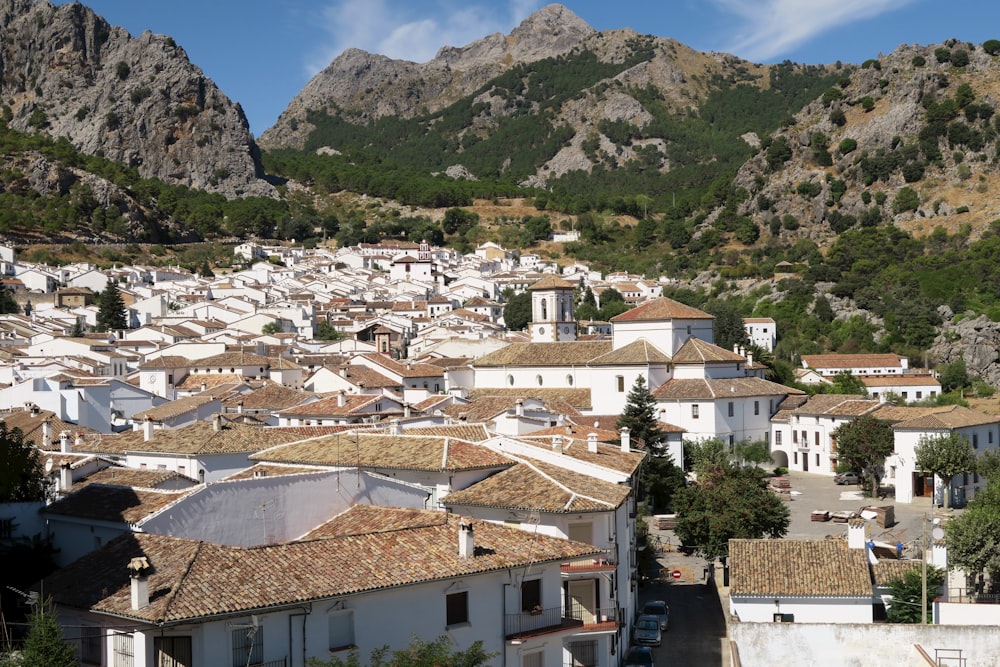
(639,656)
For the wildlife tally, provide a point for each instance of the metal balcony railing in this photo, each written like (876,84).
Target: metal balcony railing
(554,619)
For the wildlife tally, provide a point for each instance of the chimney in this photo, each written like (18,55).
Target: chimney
(204,385)
(592,442)
(138,571)
(343,371)
(79,439)
(395,428)
(340,399)
(519,408)
(216,422)
(65,477)
(239,408)
(560,420)
(33,408)
(557,443)
(47,434)
(406,410)
(749,359)
(856,537)
(64,443)
(147,429)
(626,440)
(466,543)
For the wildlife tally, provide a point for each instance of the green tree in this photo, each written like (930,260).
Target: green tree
(991,46)
(702,456)
(7,302)
(728,325)
(727,504)
(953,376)
(988,465)
(640,416)
(661,479)
(271,328)
(21,476)
(945,456)
(974,536)
(863,445)
(326,332)
(111,309)
(44,645)
(517,311)
(846,382)
(906,199)
(906,592)
(420,653)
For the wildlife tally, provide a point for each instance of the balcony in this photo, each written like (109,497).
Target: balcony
(604,563)
(559,619)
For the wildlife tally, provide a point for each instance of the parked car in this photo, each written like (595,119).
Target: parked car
(847,478)
(660,610)
(646,631)
(639,656)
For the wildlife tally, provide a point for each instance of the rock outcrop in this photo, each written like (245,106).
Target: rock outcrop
(65,71)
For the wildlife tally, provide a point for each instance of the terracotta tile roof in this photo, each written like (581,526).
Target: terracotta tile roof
(637,352)
(946,418)
(197,438)
(281,364)
(272,470)
(544,354)
(192,580)
(758,320)
(471,432)
(788,406)
(798,568)
(551,281)
(697,351)
(554,398)
(117,504)
(232,359)
(330,407)
(543,487)
(166,362)
(270,396)
(432,403)
(745,387)
(210,380)
(362,376)
(888,569)
(850,360)
(662,309)
(147,479)
(406,370)
(175,408)
(31,427)
(379,450)
(607,456)
(899,380)
(837,405)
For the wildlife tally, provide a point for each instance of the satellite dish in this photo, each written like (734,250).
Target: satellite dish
(937,533)
(48,466)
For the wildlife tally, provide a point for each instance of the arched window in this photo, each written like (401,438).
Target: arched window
(510,380)
(538,379)
(569,380)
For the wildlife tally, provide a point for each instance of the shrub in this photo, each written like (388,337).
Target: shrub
(919,61)
(991,46)
(906,199)
(942,54)
(867,103)
(139,94)
(962,209)
(838,118)
(112,121)
(808,189)
(959,58)
(847,145)
(871,63)
(122,70)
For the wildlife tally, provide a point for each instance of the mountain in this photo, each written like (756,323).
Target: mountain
(64,71)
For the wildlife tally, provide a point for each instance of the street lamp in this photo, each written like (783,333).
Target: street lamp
(936,533)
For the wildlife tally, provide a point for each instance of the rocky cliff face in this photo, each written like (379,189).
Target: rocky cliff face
(66,72)
(361,85)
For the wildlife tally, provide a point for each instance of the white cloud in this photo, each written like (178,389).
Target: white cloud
(770,28)
(411,31)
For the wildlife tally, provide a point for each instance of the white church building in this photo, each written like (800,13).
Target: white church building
(703,389)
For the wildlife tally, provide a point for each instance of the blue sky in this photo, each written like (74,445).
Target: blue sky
(261,53)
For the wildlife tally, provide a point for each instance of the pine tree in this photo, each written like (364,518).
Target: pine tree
(45,646)
(640,416)
(111,309)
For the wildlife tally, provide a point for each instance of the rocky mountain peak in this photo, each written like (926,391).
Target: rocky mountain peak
(65,71)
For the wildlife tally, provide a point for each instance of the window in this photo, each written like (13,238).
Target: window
(694,411)
(620,383)
(756,407)
(584,654)
(531,595)
(6,528)
(805,438)
(732,441)
(341,629)
(817,458)
(535,659)
(989,437)
(510,380)
(121,647)
(172,652)
(545,309)
(457,608)
(538,379)
(777,438)
(248,646)
(91,645)
(920,395)
(795,437)
(975,441)
(729,408)
(816,438)
(569,380)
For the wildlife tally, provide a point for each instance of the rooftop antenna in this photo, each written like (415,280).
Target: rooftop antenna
(263,516)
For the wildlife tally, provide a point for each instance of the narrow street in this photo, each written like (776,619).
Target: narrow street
(697,633)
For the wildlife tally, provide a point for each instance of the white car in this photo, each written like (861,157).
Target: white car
(660,610)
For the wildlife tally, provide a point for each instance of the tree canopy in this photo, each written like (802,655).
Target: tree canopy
(727,504)
(641,417)
(906,592)
(974,536)
(863,445)
(111,309)
(945,456)
(45,646)
(517,311)
(21,476)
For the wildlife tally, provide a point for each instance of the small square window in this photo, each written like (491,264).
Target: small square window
(457,608)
